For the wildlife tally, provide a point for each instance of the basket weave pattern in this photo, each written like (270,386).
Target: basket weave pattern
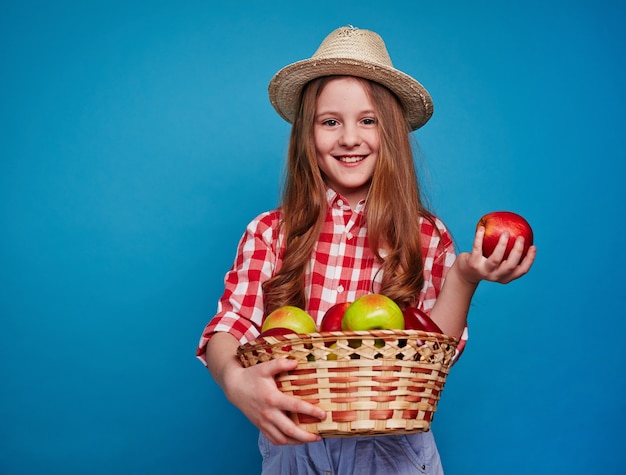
(369,383)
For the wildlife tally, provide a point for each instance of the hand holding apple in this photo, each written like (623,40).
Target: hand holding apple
(499,230)
(498,222)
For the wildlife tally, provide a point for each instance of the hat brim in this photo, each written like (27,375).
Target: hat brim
(286,86)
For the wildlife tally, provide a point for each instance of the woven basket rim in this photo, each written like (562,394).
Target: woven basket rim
(294,337)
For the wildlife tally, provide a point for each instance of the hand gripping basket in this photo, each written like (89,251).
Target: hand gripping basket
(368,382)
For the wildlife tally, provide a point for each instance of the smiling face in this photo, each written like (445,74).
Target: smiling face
(346,137)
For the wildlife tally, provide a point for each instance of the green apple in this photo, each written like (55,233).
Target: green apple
(290,317)
(373,312)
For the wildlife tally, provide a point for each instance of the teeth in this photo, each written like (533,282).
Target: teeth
(351,159)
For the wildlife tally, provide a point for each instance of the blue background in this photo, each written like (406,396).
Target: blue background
(137,141)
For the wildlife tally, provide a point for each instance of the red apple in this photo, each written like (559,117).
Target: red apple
(496,223)
(373,312)
(331,322)
(290,317)
(416,319)
(276,331)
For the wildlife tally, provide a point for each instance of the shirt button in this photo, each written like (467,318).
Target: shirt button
(340,203)
(340,289)
(349,235)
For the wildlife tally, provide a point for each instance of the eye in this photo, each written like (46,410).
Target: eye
(330,122)
(369,121)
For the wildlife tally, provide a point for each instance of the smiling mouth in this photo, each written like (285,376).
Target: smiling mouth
(351,159)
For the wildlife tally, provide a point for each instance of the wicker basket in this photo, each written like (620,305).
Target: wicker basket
(369,382)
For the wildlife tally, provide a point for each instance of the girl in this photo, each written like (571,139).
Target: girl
(351,222)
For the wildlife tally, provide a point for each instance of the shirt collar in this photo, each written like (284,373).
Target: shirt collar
(335,199)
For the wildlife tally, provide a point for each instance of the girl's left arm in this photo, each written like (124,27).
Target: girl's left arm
(452,305)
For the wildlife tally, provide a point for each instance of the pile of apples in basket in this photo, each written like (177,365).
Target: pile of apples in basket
(369,312)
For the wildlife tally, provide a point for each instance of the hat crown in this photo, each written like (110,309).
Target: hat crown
(354,43)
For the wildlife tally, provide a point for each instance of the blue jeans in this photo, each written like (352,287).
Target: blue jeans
(378,455)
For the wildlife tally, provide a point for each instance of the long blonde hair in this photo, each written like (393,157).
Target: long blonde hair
(393,210)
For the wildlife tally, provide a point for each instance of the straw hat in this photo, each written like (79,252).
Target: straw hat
(352,52)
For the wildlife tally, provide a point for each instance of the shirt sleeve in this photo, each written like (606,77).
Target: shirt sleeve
(439,255)
(240,309)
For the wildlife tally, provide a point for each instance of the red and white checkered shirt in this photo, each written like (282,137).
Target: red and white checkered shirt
(342,269)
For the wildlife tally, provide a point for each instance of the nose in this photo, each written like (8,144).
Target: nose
(350,136)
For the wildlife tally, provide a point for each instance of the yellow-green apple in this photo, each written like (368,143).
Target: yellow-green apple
(416,319)
(373,312)
(290,317)
(498,222)
(331,356)
(331,322)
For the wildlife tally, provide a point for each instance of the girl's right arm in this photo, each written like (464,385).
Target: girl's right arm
(253,390)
